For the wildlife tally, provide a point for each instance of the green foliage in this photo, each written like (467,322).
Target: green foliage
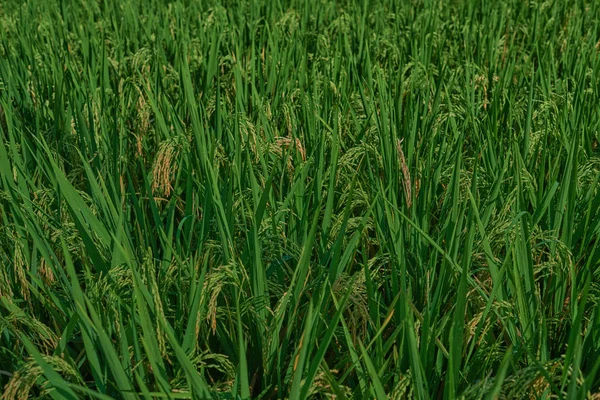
(299,199)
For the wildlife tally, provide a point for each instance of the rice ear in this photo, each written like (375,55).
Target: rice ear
(406,184)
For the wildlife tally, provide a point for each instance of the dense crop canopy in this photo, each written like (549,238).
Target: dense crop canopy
(299,199)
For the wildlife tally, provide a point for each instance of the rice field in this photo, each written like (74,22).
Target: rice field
(299,199)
